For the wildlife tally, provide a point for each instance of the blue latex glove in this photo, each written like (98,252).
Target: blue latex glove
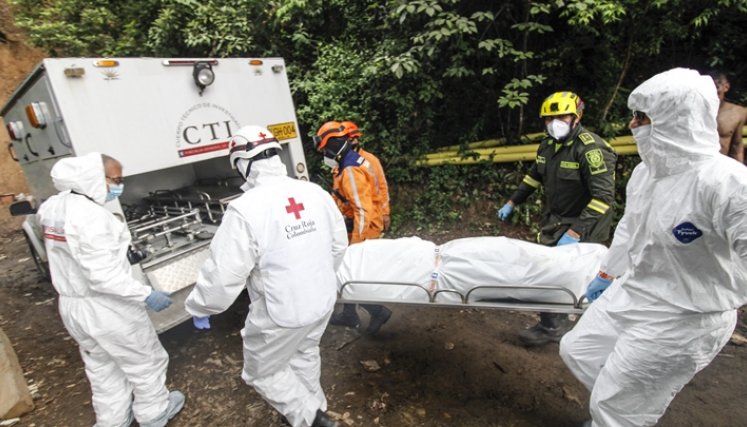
(158,300)
(597,287)
(201,322)
(505,212)
(566,239)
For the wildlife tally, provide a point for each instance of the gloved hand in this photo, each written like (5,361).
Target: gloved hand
(597,286)
(201,322)
(158,300)
(567,239)
(505,212)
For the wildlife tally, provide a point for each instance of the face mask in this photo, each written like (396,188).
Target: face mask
(642,136)
(115,190)
(332,163)
(558,129)
(243,166)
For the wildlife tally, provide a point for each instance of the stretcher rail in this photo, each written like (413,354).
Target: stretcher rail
(575,305)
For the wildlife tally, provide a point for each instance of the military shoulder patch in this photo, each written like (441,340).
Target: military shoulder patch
(586,138)
(595,159)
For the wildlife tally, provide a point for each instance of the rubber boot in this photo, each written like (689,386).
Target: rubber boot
(551,327)
(324,420)
(379,315)
(348,317)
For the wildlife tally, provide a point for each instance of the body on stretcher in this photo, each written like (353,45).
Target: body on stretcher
(487,272)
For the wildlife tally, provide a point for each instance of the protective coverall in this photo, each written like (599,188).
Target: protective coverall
(354,192)
(100,303)
(377,171)
(679,254)
(287,237)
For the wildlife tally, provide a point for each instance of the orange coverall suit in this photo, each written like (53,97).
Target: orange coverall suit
(354,192)
(382,196)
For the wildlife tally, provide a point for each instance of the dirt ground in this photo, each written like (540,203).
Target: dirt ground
(17,59)
(438,367)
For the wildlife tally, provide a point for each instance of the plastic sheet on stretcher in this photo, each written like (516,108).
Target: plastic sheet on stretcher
(490,272)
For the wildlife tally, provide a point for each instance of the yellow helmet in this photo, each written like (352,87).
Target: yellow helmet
(560,103)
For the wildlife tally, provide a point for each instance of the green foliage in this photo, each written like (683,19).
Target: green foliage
(419,75)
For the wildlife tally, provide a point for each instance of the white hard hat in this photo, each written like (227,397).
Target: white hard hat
(252,141)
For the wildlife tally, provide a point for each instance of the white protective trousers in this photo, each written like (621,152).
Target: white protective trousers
(123,358)
(635,362)
(283,364)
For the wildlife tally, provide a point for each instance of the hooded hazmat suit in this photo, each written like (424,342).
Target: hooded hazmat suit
(679,254)
(287,238)
(100,303)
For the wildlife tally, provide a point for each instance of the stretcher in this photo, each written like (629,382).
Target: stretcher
(481,272)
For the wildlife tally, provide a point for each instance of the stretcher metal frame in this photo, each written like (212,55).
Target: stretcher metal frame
(574,306)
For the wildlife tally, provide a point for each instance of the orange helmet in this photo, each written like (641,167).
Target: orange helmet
(352,129)
(331,129)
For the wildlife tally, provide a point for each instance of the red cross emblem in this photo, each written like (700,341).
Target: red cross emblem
(294,208)
(262,135)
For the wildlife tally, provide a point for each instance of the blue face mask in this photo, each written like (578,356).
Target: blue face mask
(115,190)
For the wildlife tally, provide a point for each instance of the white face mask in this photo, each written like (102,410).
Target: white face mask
(332,163)
(642,136)
(558,129)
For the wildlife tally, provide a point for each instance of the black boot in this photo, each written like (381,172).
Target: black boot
(379,316)
(550,328)
(324,420)
(348,317)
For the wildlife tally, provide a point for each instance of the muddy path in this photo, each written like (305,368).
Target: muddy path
(433,367)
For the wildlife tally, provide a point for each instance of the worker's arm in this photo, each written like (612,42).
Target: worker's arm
(530,183)
(597,168)
(617,259)
(95,245)
(736,148)
(339,233)
(355,188)
(233,255)
(730,204)
(383,187)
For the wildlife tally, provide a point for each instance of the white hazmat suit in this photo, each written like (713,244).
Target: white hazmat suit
(101,305)
(287,237)
(679,253)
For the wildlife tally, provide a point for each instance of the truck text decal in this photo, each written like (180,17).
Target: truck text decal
(204,128)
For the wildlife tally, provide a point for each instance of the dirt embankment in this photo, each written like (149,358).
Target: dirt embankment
(17,59)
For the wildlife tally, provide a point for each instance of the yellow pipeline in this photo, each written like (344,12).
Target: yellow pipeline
(526,156)
(624,145)
(513,149)
(621,140)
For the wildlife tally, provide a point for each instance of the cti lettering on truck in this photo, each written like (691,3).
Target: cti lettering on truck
(191,133)
(283,131)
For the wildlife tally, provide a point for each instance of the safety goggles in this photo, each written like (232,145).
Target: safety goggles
(639,115)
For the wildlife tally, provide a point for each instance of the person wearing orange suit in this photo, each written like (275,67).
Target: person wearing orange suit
(381,194)
(354,192)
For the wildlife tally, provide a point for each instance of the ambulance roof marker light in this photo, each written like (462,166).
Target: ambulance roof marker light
(106,63)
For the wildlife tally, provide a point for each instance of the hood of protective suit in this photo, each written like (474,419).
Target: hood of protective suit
(83,174)
(682,106)
(264,169)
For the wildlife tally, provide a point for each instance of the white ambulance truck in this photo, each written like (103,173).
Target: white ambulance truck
(169,122)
